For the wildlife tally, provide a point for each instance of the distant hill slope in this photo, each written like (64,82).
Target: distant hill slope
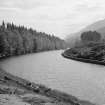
(98,26)
(102,31)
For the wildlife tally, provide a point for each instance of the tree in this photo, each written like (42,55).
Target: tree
(16,40)
(90,36)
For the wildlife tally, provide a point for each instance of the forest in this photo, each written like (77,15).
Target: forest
(18,40)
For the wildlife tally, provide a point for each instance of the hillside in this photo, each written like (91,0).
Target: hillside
(98,26)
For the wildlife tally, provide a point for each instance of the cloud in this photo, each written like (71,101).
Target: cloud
(53,16)
(21,4)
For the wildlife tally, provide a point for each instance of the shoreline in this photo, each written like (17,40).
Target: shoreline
(82,59)
(19,87)
(3,57)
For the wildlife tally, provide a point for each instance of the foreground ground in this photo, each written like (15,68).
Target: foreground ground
(17,91)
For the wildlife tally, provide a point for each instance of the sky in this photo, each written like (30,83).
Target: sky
(58,17)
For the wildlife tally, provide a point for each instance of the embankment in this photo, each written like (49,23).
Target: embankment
(66,55)
(21,88)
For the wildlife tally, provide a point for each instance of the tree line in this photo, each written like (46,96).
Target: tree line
(88,38)
(17,40)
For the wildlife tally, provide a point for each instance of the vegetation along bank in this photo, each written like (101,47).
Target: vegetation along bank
(18,40)
(90,49)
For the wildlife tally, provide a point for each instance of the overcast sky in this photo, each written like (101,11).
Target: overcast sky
(59,17)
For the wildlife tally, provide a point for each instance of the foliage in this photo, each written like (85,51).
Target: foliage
(90,36)
(92,51)
(16,40)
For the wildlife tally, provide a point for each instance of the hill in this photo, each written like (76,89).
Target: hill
(98,26)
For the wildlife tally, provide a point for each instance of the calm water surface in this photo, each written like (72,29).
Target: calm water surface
(86,81)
